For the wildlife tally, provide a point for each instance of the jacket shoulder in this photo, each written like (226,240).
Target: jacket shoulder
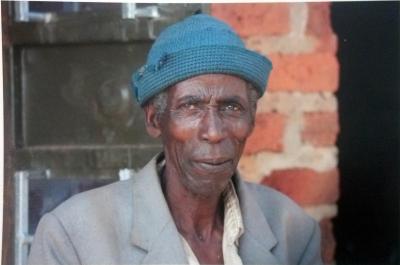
(97,209)
(296,232)
(89,228)
(273,201)
(104,198)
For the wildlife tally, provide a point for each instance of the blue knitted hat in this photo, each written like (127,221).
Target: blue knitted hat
(200,44)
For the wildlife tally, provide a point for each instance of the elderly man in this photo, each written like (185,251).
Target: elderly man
(188,205)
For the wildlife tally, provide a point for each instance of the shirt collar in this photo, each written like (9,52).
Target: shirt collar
(233,221)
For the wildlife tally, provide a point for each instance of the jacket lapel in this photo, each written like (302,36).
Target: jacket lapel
(153,229)
(257,241)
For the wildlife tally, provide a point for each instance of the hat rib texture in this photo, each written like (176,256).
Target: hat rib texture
(198,45)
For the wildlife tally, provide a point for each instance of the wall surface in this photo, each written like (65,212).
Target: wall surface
(292,147)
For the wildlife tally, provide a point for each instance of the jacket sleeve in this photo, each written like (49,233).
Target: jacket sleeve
(312,252)
(51,244)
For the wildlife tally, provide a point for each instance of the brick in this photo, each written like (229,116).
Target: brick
(319,19)
(306,186)
(267,134)
(255,167)
(320,128)
(328,243)
(254,19)
(327,43)
(313,72)
(319,26)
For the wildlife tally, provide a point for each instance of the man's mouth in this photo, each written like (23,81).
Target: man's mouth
(215,164)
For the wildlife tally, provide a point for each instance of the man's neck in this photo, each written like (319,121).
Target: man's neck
(199,216)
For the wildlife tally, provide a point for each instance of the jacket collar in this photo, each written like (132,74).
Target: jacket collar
(154,230)
(258,240)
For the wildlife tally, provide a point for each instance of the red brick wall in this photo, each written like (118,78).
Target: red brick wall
(292,147)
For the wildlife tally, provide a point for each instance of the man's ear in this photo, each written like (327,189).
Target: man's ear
(152,121)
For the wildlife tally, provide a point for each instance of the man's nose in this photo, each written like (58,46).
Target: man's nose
(212,127)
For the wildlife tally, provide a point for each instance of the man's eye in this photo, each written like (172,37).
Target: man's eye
(231,107)
(189,106)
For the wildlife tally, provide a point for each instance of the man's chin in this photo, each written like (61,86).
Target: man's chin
(204,186)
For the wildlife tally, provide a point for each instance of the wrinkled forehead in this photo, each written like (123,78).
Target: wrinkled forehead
(216,86)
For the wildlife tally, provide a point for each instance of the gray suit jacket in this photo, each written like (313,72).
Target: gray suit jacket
(128,222)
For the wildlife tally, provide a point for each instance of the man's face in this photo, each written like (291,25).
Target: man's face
(204,128)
